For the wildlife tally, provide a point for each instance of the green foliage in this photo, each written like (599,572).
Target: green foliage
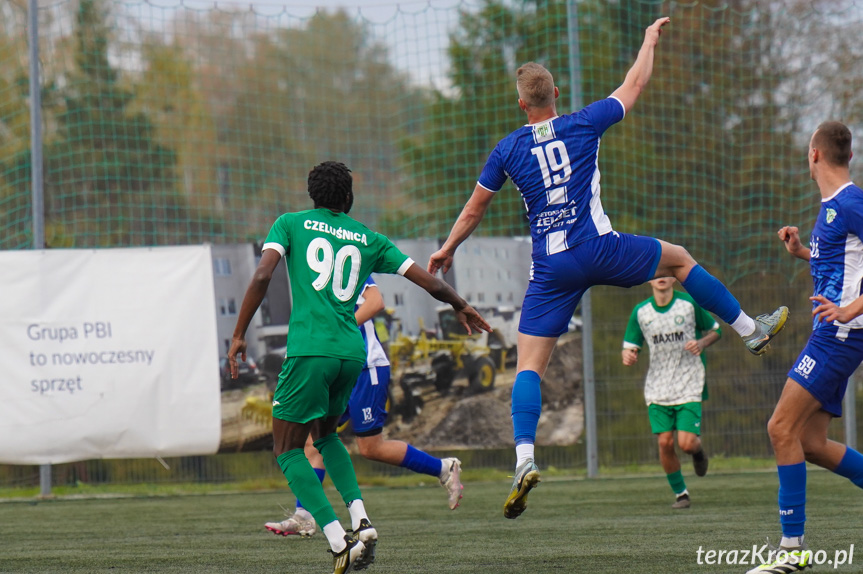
(464,122)
(14,133)
(104,164)
(176,125)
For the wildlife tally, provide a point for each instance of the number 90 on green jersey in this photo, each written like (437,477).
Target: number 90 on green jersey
(332,267)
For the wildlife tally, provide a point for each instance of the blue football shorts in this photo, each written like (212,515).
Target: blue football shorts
(559,281)
(367,408)
(825,364)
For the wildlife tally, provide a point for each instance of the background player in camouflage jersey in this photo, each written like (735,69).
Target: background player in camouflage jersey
(673,324)
(329,256)
(367,413)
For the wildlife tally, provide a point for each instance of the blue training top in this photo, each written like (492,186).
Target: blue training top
(554,164)
(836,259)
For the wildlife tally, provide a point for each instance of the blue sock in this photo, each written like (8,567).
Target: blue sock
(851,466)
(526,407)
(321,474)
(711,294)
(419,461)
(792,498)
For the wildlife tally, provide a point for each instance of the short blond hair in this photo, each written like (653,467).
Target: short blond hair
(535,85)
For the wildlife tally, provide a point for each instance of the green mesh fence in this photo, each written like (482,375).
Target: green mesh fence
(179,123)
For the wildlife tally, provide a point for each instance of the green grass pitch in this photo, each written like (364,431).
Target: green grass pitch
(608,525)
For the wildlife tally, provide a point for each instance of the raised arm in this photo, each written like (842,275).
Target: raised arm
(255,293)
(473,212)
(638,76)
(442,291)
(791,236)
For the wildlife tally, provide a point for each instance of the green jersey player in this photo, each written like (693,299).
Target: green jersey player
(677,330)
(329,256)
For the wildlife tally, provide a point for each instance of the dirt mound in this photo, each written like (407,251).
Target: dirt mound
(562,384)
(462,421)
(475,421)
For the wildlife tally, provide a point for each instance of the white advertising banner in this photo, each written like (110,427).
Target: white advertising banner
(108,353)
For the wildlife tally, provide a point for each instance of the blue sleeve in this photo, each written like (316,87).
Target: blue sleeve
(369,283)
(493,175)
(854,217)
(603,114)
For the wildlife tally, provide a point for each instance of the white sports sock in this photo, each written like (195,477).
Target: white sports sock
(793,542)
(679,494)
(335,535)
(743,324)
(303,513)
(358,512)
(523,453)
(443,468)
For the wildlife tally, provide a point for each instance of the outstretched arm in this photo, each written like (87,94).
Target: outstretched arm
(637,77)
(470,217)
(442,291)
(254,295)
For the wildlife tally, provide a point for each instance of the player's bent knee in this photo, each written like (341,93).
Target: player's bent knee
(676,255)
(691,445)
(780,434)
(666,442)
(368,451)
(369,444)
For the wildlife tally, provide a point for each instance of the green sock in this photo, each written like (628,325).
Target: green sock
(339,466)
(675,479)
(305,485)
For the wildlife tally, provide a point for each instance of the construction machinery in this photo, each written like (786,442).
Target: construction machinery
(432,361)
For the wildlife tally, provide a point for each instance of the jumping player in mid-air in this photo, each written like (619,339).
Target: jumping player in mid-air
(553,161)
(329,256)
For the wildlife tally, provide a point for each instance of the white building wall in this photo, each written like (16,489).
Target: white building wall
(233,267)
(486,272)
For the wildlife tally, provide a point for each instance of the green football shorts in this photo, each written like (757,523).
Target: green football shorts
(314,387)
(685,417)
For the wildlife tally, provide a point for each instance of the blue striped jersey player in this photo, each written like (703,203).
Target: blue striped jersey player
(816,383)
(554,163)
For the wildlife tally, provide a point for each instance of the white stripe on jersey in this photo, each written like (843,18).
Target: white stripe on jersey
(600,219)
(851,279)
(375,355)
(555,242)
(556,195)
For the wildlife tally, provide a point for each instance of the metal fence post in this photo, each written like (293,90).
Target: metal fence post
(36,168)
(575,103)
(589,388)
(850,411)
